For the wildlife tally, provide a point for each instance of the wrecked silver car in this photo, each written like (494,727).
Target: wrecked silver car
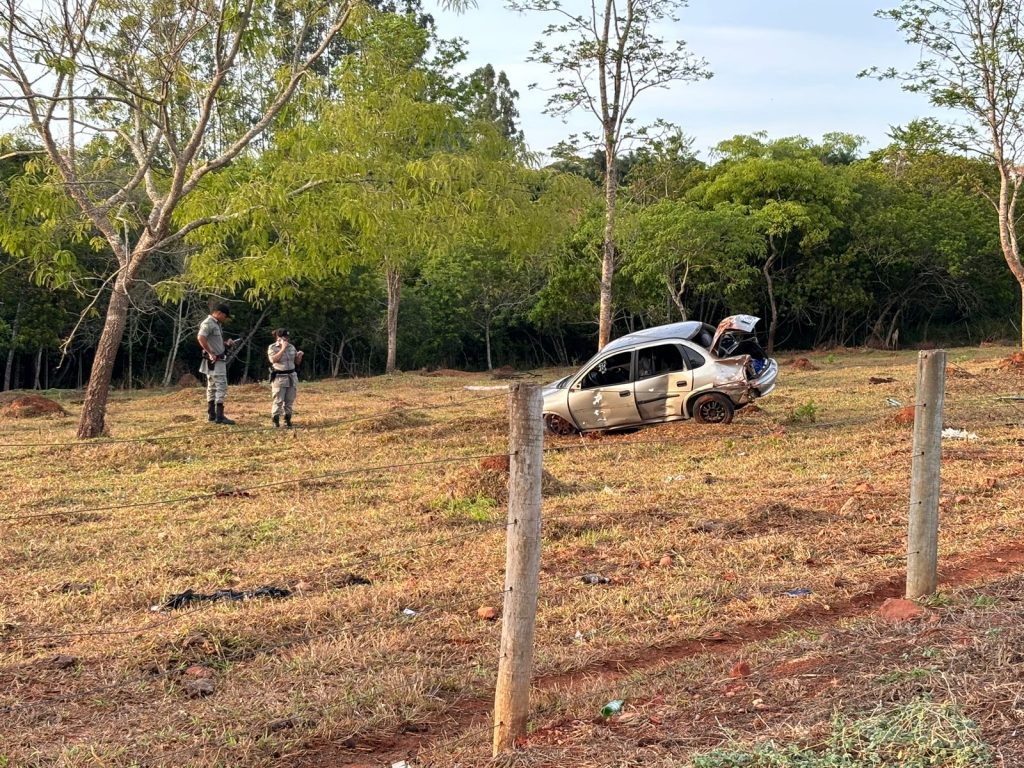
(667,373)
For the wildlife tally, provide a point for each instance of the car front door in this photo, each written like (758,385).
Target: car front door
(602,396)
(662,381)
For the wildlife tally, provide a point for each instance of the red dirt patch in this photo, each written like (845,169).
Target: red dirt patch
(34,406)
(904,415)
(188,380)
(1014,362)
(496,463)
(467,714)
(803,364)
(897,610)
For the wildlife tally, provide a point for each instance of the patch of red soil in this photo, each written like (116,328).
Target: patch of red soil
(803,364)
(1014,362)
(470,714)
(33,406)
(904,415)
(188,380)
(496,463)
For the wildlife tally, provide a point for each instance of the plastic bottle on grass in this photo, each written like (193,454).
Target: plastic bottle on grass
(613,707)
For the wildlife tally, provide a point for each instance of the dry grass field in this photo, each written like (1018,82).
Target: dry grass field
(383,515)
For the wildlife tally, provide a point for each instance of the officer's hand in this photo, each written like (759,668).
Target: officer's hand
(230,342)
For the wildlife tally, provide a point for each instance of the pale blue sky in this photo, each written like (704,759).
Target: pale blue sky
(787,67)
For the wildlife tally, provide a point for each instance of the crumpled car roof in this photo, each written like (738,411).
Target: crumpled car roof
(688,329)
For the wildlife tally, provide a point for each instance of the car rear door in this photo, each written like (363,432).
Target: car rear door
(602,396)
(662,381)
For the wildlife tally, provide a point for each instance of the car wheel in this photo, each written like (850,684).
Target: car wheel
(712,408)
(556,425)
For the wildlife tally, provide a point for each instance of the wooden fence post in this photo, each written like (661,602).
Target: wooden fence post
(926,462)
(522,566)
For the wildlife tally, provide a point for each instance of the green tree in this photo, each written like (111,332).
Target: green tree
(972,62)
(145,84)
(604,59)
(794,197)
(691,252)
(385,179)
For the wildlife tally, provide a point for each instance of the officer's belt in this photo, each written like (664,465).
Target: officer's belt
(274,372)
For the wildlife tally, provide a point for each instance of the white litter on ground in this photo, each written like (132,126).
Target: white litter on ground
(949,433)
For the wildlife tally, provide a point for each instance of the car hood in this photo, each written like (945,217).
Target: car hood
(554,386)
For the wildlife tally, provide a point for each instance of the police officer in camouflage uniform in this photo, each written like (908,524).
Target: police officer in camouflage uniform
(214,365)
(284,379)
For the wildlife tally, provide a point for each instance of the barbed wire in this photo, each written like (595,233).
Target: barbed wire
(427,614)
(980,378)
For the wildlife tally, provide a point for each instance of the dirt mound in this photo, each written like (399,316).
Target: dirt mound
(496,463)
(904,415)
(389,422)
(490,479)
(448,372)
(32,406)
(1014,362)
(803,364)
(188,380)
(182,418)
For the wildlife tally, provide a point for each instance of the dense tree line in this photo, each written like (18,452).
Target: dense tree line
(392,218)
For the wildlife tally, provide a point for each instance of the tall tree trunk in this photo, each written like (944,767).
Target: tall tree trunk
(394,281)
(131,323)
(94,409)
(773,306)
(37,384)
(336,362)
(176,335)
(487,337)
(248,361)
(10,353)
(611,185)
(1006,210)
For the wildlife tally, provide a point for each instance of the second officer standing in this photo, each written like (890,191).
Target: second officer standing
(284,378)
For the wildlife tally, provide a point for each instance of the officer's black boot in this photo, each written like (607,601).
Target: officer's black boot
(277,420)
(288,421)
(221,418)
(211,410)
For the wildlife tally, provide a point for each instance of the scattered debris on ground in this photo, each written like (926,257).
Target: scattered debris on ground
(951,433)
(189,596)
(880,380)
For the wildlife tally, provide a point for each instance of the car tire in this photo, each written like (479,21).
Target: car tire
(712,408)
(557,426)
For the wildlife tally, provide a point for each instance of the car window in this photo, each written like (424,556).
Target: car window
(609,372)
(694,359)
(655,361)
